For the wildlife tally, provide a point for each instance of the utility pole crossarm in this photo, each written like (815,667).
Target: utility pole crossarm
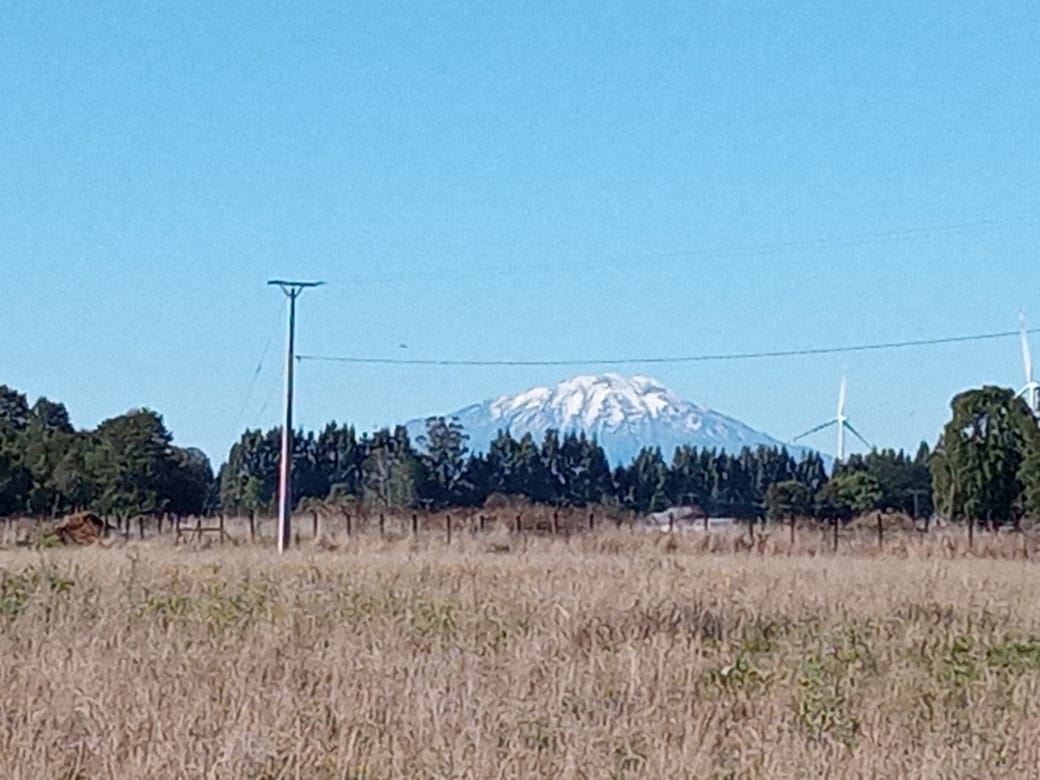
(288,286)
(292,291)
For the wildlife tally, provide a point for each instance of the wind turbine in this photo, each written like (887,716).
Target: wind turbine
(1031,392)
(842,421)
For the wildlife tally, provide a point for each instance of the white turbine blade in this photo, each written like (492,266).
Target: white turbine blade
(842,393)
(856,433)
(1027,355)
(818,428)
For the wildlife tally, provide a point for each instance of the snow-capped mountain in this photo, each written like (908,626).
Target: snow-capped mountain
(623,414)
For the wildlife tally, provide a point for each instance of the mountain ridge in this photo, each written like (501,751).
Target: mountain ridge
(623,414)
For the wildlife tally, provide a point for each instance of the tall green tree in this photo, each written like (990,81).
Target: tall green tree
(390,470)
(443,461)
(977,466)
(788,499)
(132,462)
(190,488)
(848,494)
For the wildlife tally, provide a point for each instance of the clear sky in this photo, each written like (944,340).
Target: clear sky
(514,180)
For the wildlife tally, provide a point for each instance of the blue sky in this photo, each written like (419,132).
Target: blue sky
(518,180)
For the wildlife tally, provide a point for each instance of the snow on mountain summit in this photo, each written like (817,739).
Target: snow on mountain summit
(624,414)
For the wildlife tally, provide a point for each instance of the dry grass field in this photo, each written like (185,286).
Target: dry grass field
(601,656)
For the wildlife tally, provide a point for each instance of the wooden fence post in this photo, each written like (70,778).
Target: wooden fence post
(382,524)
(971,531)
(159,522)
(314,523)
(448,521)
(252,525)
(518,523)
(792,530)
(592,522)
(483,520)
(350,529)
(415,523)
(835,533)
(223,532)
(555,522)
(880,532)
(140,526)
(176,528)
(198,528)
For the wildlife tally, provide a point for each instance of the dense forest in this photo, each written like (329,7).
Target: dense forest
(986,466)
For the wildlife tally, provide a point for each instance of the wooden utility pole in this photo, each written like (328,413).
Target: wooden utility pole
(292,291)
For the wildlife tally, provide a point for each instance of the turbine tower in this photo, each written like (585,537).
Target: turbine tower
(842,421)
(1031,392)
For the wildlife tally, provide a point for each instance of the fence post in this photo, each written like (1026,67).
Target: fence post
(835,533)
(880,532)
(482,521)
(198,529)
(971,531)
(314,523)
(415,523)
(592,522)
(223,533)
(671,523)
(159,523)
(518,524)
(350,529)
(176,528)
(792,530)
(751,530)
(555,522)
(448,521)
(382,524)
(252,525)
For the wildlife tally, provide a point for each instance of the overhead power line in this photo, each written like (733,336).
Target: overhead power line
(256,375)
(705,358)
(764,249)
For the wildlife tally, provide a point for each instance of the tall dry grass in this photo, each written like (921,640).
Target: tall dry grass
(614,655)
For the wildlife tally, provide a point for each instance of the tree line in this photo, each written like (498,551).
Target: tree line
(127,465)
(387,470)
(985,466)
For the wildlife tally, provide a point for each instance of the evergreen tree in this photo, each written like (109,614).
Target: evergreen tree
(788,499)
(443,462)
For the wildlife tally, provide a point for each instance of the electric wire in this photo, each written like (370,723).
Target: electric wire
(752,250)
(256,374)
(704,358)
